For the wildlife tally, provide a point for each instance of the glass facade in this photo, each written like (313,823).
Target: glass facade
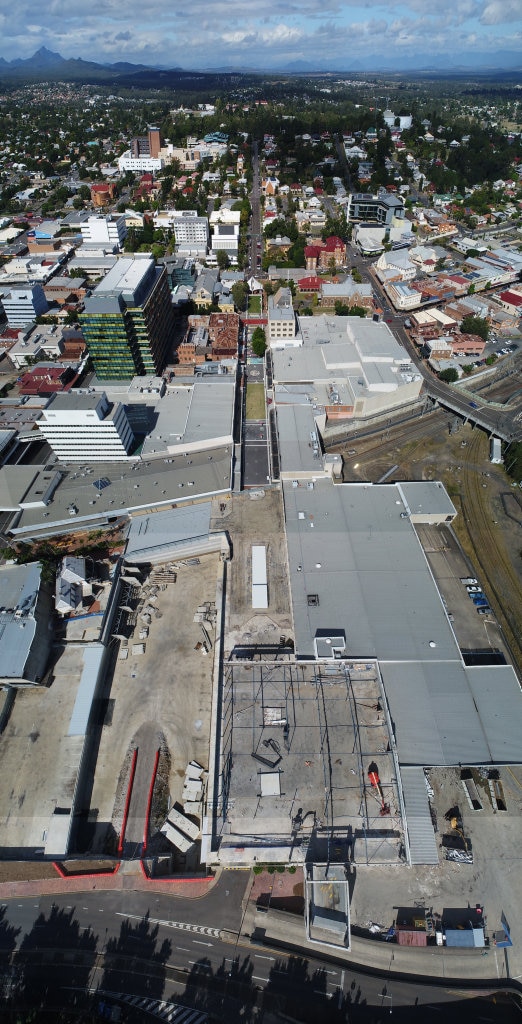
(132,340)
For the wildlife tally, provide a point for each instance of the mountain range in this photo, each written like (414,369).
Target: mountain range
(46,65)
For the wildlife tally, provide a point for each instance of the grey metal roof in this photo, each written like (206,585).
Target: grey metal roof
(349,545)
(166,529)
(350,548)
(92,662)
(423,846)
(496,694)
(295,424)
(446,714)
(19,587)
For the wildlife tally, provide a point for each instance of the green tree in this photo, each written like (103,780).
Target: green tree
(222,259)
(239,293)
(475,325)
(449,376)
(258,342)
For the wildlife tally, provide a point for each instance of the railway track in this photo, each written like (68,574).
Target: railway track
(483,540)
(431,425)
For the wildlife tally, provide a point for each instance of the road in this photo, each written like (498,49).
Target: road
(195,951)
(256,236)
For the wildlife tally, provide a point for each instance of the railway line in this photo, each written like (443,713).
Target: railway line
(395,436)
(482,539)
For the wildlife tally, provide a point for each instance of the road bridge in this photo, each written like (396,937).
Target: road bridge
(490,416)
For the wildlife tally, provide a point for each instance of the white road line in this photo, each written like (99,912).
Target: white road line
(184,948)
(255,977)
(198,942)
(260,956)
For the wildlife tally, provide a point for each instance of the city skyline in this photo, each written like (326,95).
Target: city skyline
(330,35)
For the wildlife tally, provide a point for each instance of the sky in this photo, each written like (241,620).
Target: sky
(330,34)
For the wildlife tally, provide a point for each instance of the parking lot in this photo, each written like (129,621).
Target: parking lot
(473,631)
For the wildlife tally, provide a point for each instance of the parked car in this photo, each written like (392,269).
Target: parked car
(484,610)
(468,581)
(474,590)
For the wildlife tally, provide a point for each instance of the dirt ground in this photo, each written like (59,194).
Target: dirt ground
(251,521)
(493,880)
(161,698)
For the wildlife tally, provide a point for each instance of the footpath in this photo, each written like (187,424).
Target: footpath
(284,932)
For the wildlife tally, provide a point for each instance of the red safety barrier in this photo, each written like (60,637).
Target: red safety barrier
(149,803)
(177,879)
(86,874)
(127,801)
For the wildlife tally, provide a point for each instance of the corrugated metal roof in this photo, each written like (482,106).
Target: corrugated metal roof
(448,714)
(167,529)
(423,847)
(92,660)
(497,697)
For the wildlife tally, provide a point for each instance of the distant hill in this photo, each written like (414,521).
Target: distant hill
(47,66)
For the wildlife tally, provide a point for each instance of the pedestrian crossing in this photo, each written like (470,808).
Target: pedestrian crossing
(171,1013)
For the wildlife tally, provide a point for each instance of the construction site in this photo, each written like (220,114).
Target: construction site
(308,768)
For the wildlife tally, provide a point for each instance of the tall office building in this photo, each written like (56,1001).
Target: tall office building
(79,427)
(128,322)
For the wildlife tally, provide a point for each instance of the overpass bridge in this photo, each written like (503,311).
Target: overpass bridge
(494,418)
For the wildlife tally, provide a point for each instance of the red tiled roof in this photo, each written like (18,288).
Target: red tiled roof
(333,243)
(310,284)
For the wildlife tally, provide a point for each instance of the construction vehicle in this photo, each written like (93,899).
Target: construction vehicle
(458,846)
(373,775)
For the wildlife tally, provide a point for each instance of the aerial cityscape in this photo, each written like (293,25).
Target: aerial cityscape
(260,503)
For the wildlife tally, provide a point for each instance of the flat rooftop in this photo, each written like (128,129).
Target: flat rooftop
(349,545)
(361,583)
(134,487)
(189,418)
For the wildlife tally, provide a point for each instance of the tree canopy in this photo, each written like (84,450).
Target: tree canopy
(475,325)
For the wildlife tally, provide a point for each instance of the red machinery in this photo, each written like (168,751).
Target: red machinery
(373,775)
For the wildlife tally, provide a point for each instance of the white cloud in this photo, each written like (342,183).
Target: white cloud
(502,12)
(201,33)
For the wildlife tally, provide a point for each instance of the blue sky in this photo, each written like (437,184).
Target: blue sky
(212,33)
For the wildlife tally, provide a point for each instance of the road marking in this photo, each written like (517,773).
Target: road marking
(184,948)
(199,929)
(198,942)
(261,957)
(255,977)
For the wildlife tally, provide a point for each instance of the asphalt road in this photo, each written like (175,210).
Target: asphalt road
(194,951)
